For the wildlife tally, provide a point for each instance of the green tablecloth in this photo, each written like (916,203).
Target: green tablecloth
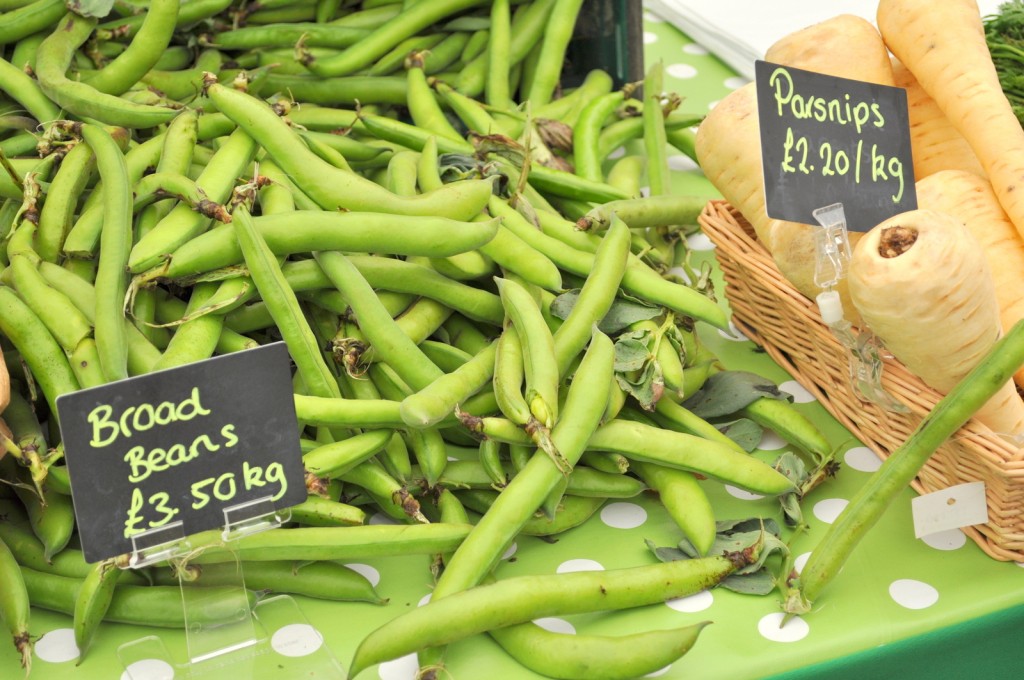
(902,607)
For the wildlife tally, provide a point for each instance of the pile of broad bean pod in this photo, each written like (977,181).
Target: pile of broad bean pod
(403,193)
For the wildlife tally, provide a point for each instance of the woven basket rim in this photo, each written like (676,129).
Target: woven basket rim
(974,451)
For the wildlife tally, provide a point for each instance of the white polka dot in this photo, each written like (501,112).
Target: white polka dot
(800,561)
(862,458)
(712,105)
(913,594)
(423,600)
(690,604)
(799,392)
(623,515)
(827,510)
(1020,564)
(296,639)
(681,70)
(617,153)
(381,518)
(742,494)
(451,458)
(579,565)
(794,630)
(733,333)
(695,49)
(57,646)
(645,191)
(951,539)
(149,669)
(650,37)
(771,441)
(681,162)
(735,82)
(556,625)
(371,574)
(699,242)
(681,273)
(403,668)
(510,551)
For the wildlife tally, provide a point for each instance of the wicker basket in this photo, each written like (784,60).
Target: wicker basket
(768,310)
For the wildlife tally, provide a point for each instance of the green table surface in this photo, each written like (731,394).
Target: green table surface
(901,607)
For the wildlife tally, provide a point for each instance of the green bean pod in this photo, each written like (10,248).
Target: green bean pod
(43,356)
(595,297)
(441,397)
(430,453)
(329,543)
(196,337)
(382,39)
(389,342)
(539,363)
(14,605)
(284,307)
(528,489)
(54,58)
(317,511)
(335,189)
(596,657)
(308,231)
(336,458)
(524,598)
(148,606)
(779,416)
(321,580)
(637,279)
(638,441)
(183,223)
(58,210)
(424,108)
(92,601)
(26,91)
(21,22)
(350,413)
(685,501)
(586,158)
(115,244)
(142,53)
(870,502)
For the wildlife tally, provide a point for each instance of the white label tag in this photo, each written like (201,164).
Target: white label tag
(958,506)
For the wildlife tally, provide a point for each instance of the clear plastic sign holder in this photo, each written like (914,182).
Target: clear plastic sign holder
(227,629)
(833,254)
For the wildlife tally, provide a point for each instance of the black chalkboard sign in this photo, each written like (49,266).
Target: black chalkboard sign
(827,140)
(181,444)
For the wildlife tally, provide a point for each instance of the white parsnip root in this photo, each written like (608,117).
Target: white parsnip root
(921,282)
(970,199)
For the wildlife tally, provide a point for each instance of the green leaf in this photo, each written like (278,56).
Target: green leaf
(758,583)
(726,392)
(794,468)
(90,8)
(744,432)
(631,354)
(666,554)
(622,313)
(646,388)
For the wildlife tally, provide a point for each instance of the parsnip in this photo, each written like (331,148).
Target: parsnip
(728,141)
(934,142)
(846,46)
(943,45)
(921,282)
(970,200)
